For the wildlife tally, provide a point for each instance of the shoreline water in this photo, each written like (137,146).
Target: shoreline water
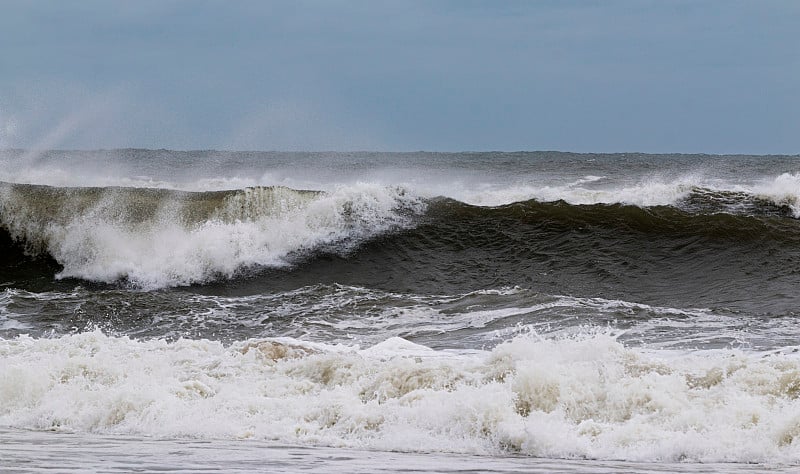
(30,452)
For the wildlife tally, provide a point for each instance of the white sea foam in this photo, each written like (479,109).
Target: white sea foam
(485,322)
(651,193)
(785,189)
(578,397)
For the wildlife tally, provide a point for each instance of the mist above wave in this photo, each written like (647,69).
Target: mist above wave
(486,179)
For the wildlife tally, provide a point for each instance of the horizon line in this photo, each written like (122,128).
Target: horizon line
(389,152)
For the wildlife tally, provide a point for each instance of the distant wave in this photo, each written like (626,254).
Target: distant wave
(783,191)
(153,238)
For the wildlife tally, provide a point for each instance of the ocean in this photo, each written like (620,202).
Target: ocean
(364,312)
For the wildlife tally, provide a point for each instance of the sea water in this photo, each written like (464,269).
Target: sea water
(501,312)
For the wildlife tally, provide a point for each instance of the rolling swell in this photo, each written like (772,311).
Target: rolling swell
(660,255)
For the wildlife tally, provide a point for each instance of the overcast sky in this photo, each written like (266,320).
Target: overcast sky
(605,76)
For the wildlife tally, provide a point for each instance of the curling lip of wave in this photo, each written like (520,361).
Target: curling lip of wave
(155,237)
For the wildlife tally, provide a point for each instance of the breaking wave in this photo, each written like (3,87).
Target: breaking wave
(153,238)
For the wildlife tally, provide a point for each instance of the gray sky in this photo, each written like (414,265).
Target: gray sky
(606,76)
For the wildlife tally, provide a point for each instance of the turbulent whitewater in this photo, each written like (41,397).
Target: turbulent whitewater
(627,307)
(156,237)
